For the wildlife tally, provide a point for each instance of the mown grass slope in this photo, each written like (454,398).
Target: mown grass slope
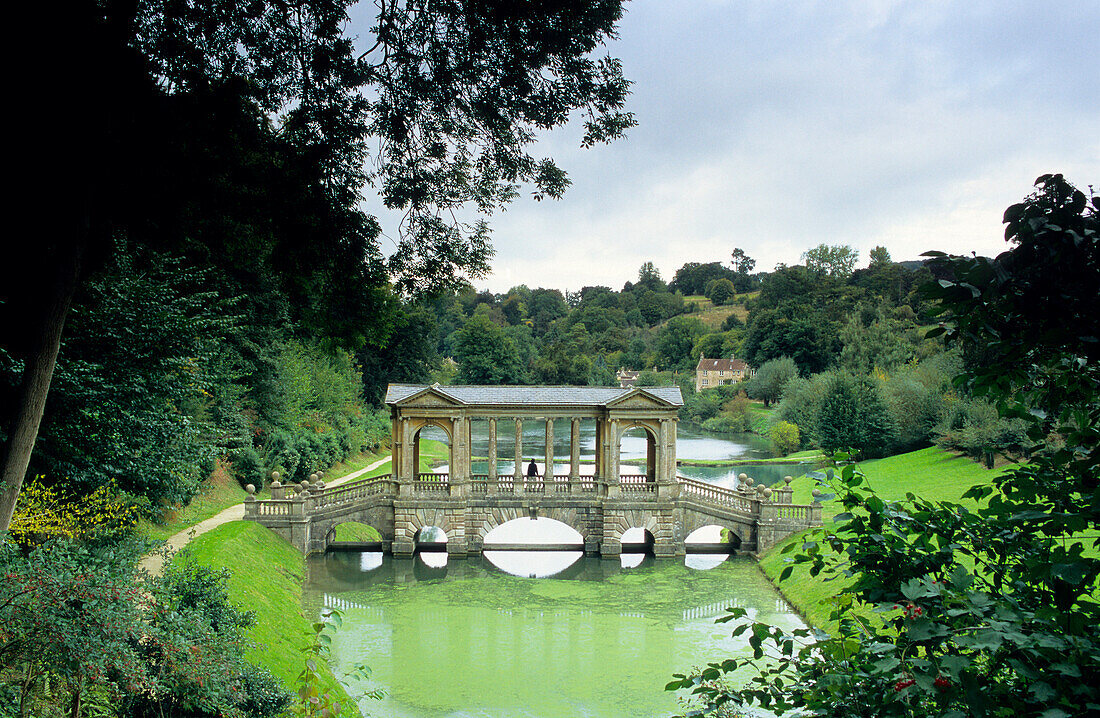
(930,473)
(266,577)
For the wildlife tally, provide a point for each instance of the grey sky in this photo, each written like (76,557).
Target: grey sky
(775,126)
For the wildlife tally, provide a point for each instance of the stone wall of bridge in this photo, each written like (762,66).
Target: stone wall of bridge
(308,520)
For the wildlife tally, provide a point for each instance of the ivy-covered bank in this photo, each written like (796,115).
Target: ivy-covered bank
(267,576)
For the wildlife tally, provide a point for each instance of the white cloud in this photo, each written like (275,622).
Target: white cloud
(778,126)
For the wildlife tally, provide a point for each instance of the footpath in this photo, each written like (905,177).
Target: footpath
(153,563)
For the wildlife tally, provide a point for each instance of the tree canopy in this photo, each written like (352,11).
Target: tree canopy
(241,137)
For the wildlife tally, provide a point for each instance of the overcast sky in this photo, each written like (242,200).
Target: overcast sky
(775,126)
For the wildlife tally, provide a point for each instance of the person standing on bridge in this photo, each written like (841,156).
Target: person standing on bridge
(532,469)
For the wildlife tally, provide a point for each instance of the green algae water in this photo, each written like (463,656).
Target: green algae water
(596,640)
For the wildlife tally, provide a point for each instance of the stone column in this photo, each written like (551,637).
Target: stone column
(548,472)
(575,451)
(611,443)
(491,483)
(517,475)
(460,456)
(406,465)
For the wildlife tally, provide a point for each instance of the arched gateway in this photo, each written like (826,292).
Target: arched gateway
(601,506)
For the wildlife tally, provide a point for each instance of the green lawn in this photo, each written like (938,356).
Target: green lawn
(760,418)
(353,531)
(267,575)
(931,473)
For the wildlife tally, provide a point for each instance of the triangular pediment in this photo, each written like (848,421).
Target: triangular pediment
(639,399)
(431,396)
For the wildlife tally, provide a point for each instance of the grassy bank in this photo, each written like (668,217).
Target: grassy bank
(267,575)
(799,457)
(221,491)
(931,473)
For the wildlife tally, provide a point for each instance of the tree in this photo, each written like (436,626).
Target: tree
(675,342)
(565,360)
(768,381)
(885,343)
(692,278)
(451,95)
(741,262)
(79,620)
(485,355)
(720,291)
(986,609)
(852,417)
(880,255)
(810,339)
(649,276)
(831,261)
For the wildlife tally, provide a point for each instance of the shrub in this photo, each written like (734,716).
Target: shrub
(785,437)
(248,468)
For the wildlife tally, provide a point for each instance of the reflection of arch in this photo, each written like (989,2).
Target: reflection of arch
(650,431)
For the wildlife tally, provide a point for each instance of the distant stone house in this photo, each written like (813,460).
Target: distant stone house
(716,372)
(627,378)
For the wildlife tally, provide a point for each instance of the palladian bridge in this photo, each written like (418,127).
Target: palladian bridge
(601,506)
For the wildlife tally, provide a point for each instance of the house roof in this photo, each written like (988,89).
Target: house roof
(721,365)
(534,395)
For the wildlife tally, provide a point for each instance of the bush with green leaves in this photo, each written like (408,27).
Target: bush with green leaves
(785,437)
(248,468)
(984,609)
(80,624)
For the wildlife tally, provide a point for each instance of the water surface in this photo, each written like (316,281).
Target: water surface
(597,640)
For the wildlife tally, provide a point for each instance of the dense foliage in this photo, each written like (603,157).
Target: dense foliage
(988,610)
(81,629)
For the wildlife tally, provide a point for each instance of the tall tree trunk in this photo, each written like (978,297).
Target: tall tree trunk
(37,374)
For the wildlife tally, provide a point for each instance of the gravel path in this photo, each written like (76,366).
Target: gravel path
(153,563)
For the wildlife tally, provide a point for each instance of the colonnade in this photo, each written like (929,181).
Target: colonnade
(453,409)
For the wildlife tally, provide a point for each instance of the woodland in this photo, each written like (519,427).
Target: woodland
(211,295)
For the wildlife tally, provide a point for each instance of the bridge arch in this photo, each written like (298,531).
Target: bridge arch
(651,430)
(577,519)
(693,521)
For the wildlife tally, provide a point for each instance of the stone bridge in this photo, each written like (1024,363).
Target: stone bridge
(467,506)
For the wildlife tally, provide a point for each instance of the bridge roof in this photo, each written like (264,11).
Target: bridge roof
(533,396)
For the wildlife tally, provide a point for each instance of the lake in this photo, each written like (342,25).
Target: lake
(465,638)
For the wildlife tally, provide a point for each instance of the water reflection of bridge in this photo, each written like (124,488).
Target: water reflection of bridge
(601,507)
(343,579)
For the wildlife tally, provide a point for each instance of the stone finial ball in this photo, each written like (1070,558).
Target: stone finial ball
(251,489)
(760,488)
(816,493)
(767,492)
(274,475)
(747,479)
(787,480)
(742,476)
(312,478)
